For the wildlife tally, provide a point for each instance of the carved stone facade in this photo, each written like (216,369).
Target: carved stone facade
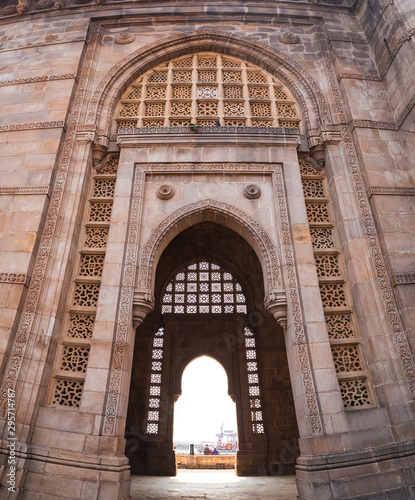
(260,164)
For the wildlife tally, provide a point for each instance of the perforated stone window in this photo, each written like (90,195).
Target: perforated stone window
(204,88)
(67,392)
(203,287)
(254,390)
(154,392)
(348,359)
(72,358)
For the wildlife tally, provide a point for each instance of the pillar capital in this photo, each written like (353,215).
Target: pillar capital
(276,303)
(143,303)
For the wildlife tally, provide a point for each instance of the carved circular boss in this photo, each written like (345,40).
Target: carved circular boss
(252,191)
(165,192)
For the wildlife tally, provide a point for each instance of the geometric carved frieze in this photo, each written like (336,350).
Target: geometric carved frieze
(391,190)
(31,126)
(24,190)
(34,79)
(15,278)
(403,279)
(374,124)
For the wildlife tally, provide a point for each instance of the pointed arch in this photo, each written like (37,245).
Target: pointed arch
(314,107)
(215,211)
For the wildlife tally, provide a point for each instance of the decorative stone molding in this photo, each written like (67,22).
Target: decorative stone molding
(281,64)
(276,303)
(142,297)
(125,38)
(252,136)
(44,4)
(289,38)
(31,126)
(85,136)
(8,10)
(15,278)
(34,79)
(391,190)
(252,191)
(390,305)
(357,76)
(258,233)
(275,299)
(402,117)
(217,130)
(24,190)
(374,124)
(403,279)
(88,127)
(324,135)
(29,310)
(59,4)
(165,192)
(143,303)
(318,139)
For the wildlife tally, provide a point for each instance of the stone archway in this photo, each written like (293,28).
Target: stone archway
(306,90)
(259,384)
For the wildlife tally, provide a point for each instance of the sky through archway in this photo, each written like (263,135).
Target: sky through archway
(204,404)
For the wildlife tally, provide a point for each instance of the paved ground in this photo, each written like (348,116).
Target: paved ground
(212,485)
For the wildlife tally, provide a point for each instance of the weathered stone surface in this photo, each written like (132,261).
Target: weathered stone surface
(85,253)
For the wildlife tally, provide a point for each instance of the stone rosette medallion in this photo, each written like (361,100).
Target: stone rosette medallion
(44,4)
(252,191)
(288,37)
(124,38)
(165,192)
(8,10)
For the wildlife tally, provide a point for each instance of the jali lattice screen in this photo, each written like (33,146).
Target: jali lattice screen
(206,88)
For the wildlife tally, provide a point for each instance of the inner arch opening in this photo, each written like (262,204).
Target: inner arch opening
(248,344)
(204,410)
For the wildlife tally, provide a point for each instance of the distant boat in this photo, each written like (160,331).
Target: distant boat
(227,440)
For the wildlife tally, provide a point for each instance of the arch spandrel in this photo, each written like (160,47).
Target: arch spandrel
(216,211)
(314,107)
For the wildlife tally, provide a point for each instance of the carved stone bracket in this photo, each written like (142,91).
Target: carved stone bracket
(143,303)
(318,139)
(276,303)
(85,135)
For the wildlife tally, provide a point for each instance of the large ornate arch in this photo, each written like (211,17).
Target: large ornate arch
(216,211)
(314,107)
